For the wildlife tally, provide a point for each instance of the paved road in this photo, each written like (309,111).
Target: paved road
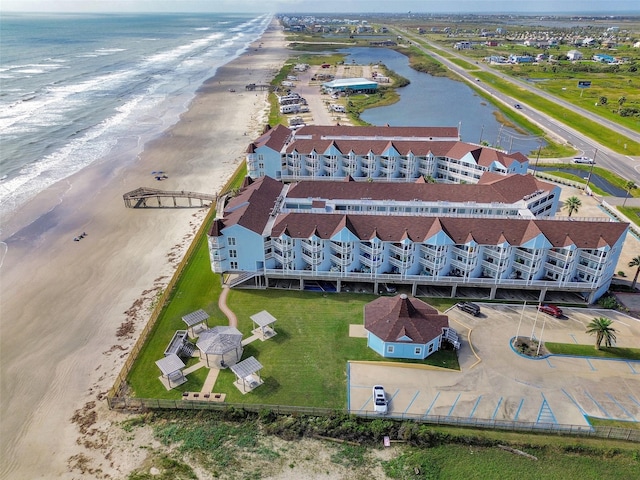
(625,166)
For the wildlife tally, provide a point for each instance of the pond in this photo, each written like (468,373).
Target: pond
(439,101)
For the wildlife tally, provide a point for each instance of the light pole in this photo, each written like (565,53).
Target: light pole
(535,171)
(586,188)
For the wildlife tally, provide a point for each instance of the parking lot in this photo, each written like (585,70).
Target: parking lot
(496,383)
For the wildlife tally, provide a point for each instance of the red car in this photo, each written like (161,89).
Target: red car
(551,310)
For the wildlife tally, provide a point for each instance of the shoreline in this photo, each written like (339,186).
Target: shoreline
(64,301)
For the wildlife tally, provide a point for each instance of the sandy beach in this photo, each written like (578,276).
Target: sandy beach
(64,301)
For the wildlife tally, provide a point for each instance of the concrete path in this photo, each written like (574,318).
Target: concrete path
(222,305)
(212,376)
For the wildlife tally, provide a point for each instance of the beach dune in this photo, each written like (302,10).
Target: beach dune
(63,301)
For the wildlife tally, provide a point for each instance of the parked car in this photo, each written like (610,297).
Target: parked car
(551,310)
(386,288)
(583,160)
(380,403)
(469,307)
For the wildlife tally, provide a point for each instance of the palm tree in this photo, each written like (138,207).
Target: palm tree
(635,262)
(628,186)
(602,328)
(572,204)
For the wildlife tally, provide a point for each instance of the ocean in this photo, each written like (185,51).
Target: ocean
(80,88)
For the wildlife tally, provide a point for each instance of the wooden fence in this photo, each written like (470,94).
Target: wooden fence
(142,404)
(119,383)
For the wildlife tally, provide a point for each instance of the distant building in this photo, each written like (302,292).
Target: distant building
(462,45)
(603,58)
(521,59)
(574,55)
(354,85)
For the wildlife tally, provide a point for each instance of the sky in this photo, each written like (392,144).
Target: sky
(605,7)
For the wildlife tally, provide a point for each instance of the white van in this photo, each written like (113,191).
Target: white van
(338,108)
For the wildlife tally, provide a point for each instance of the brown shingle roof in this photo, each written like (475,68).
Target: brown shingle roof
(498,188)
(251,207)
(383,132)
(484,231)
(392,318)
(274,139)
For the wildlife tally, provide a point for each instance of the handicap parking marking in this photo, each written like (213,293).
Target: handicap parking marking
(545,414)
(432,404)
(626,412)
(365,403)
(411,402)
(519,408)
(473,410)
(597,404)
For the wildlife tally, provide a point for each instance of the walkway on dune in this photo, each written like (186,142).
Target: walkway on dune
(222,305)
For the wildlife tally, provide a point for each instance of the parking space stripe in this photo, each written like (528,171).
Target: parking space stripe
(574,338)
(574,402)
(633,399)
(621,407)
(597,404)
(633,370)
(590,364)
(432,404)
(495,412)
(412,400)
(454,405)
(473,410)
(365,404)
(549,363)
(519,408)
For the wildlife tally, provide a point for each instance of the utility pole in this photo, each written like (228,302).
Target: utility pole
(535,171)
(586,188)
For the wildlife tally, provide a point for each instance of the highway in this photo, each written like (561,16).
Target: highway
(626,166)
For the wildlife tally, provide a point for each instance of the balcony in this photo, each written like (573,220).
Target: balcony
(341,248)
(371,249)
(311,246)
(311,259)
(560,256)
(400,250)
(525,255)
(216,242)
(341,260)
(216,267)
(593,258)
(402,262)
(372,261)
(433,263)
(283,245)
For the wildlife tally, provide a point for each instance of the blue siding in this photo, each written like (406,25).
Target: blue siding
(401,349)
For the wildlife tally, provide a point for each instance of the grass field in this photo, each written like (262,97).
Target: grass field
(304,364)
(590,351)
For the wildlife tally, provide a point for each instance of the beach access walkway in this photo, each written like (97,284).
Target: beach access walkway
(138,198)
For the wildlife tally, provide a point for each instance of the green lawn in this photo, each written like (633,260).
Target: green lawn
(304,364)
(590,351)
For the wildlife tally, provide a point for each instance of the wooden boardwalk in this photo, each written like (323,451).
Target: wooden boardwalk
(140,198)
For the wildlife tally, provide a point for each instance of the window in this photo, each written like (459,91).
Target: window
(233,265)
(418,351)
(430,347)
(389,348)
(231,241)
(233,253)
